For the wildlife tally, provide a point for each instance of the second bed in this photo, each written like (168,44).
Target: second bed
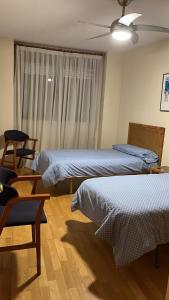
(131,212)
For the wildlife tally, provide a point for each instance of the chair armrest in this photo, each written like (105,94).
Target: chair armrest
(25,178)
(35,197)
(39,197)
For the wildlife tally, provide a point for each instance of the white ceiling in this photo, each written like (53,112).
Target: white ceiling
(55,22)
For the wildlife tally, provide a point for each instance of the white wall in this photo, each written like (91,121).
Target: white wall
(6,84)
(141,90)
(112,90)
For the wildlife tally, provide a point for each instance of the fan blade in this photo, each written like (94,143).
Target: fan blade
(128,19)
(100,35)
(94,24)
(150,28)
(134,37)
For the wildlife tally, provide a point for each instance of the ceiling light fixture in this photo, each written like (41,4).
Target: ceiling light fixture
(121,35)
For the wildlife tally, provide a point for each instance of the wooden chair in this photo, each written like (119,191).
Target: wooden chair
(16,210)
(18,141)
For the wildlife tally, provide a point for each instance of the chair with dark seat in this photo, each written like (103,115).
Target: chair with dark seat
(18,140)
(16,210)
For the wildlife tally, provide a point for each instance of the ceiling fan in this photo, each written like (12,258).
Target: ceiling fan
(123,28)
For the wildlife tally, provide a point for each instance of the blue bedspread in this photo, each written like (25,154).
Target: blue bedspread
(132,212)
(56,165)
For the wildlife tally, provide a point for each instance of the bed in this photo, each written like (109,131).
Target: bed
(57,165)
(131,212)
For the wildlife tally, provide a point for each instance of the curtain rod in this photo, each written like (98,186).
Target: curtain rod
(61,49)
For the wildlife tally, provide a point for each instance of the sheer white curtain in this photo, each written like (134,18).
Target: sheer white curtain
(58,97)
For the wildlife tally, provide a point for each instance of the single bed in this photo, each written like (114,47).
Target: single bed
(57,165)
(131,212)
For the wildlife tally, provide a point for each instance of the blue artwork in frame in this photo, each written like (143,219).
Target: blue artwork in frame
(164,105)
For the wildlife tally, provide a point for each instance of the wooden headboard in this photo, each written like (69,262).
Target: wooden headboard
(147,136)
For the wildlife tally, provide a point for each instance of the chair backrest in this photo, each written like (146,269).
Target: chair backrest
(15,135)
(6,175)
(8,192)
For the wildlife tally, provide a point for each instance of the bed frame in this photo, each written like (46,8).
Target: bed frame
(145,136)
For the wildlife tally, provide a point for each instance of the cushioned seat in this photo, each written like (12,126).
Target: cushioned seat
(21,152)
(23,214)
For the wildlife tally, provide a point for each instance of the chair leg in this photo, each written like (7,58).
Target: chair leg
(33,233)
(3,159)
(38,250)
(19,162)
(14,157)
(3,156)
(34,187)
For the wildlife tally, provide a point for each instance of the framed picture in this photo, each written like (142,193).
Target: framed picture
(164,105)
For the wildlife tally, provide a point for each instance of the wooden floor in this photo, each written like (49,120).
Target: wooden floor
(75,265)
